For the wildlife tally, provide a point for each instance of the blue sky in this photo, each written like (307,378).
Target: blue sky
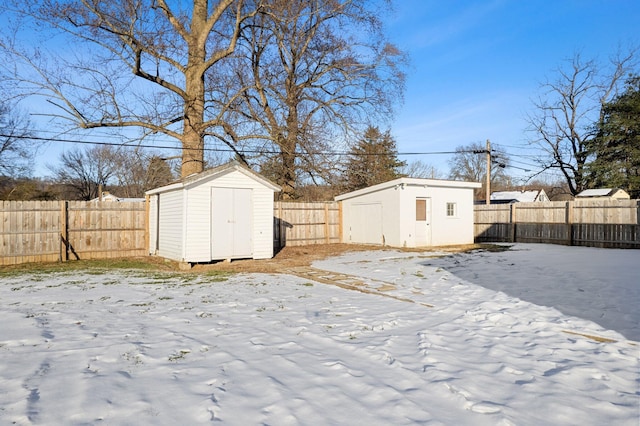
(476,65)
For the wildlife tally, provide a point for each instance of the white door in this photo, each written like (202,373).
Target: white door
(366,223)
(231,226)
(423,222)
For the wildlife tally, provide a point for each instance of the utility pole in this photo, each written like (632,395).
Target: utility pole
(488,183)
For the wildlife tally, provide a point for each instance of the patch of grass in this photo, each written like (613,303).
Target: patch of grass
(175,357)
(150,269)
(469,248)
(94,267)
(217,276)
(494,248)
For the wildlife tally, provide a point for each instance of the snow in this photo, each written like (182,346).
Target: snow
(521,196)
(600,192)
(503,343)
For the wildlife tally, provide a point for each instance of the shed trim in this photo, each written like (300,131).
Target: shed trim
(213,173)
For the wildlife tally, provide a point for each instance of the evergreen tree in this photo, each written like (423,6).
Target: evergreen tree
(616,148)
(373,160)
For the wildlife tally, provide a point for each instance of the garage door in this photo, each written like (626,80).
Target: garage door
(366,223)
(231,223)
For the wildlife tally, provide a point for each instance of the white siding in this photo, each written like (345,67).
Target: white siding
(198,224)
(398,201)
(389,200)
(185,216)
(153,224)
(170,227)
(262,223)
(452,230)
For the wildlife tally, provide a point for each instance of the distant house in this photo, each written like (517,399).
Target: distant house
(108,197)
(409,212)
(508,197)
(603,193)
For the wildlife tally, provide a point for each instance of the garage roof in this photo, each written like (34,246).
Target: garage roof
(409,182)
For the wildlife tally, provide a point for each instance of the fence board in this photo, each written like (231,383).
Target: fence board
(30,231)
(306,223)
(606,235)
(598,223)
(606,211)
(43,231)
(492,213)
(100,230)
(38,231)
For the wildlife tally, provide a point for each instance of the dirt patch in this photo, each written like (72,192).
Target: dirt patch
(290,257)
(287,258)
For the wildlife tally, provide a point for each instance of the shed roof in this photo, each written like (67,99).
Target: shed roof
(409,182)
(212,174)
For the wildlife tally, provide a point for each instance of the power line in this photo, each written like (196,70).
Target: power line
(522,163)
(257,151)
(252,151)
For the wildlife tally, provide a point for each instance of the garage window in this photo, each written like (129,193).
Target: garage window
(451,210)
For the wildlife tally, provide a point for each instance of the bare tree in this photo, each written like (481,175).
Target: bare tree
(470,164)
(136,63)
(137,170)
(16,149)
(311,73)
(420,169)
(567,113)
(84,172)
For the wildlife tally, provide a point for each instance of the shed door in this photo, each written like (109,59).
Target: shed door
(231,224)
(423,222)
(366,223)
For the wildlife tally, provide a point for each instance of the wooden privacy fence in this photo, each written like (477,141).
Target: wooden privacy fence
(595,223)
(45,231)
(299,224)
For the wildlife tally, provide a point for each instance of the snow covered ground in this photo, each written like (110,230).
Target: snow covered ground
(502,344)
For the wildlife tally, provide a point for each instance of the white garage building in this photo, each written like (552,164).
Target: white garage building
(220,214)
(409,212)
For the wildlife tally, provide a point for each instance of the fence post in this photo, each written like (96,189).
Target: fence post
(568,216)
(64,231)
(340,222)
(326,223)
(512,221)
(281,241)
(147,211)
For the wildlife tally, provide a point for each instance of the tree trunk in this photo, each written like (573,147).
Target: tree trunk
(288,179)
(288,148)
(193,133)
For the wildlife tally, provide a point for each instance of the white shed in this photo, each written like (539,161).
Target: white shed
(220,214)
(410,212)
